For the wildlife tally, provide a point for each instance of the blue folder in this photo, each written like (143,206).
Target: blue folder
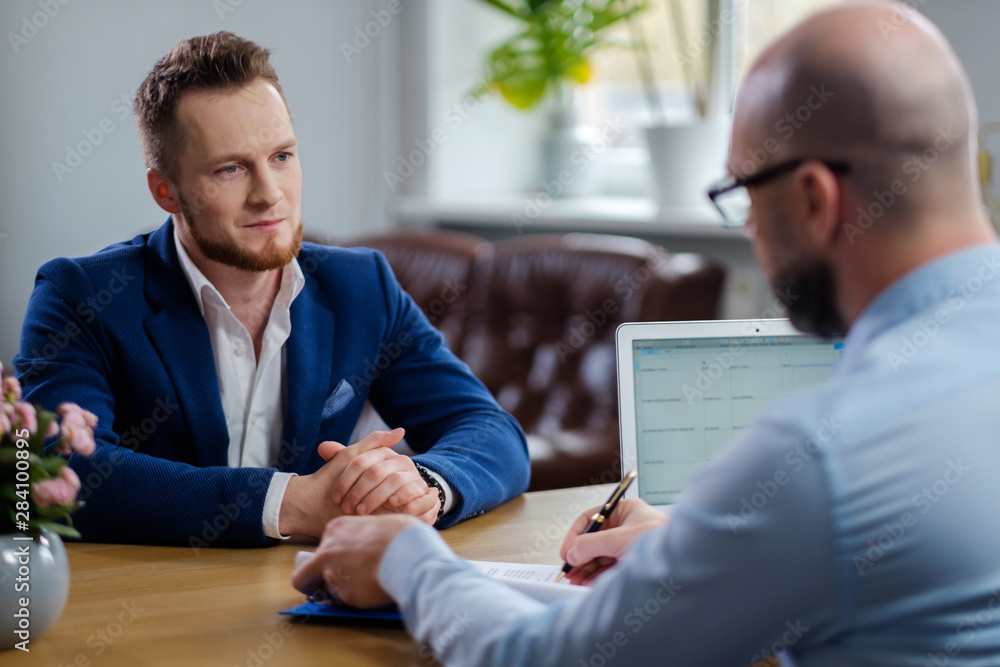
(339,614)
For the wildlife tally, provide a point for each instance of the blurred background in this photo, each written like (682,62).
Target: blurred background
(408,114)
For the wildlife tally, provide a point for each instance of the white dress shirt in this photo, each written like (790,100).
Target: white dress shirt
(252,392)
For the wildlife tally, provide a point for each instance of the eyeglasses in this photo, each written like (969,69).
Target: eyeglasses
(730,195)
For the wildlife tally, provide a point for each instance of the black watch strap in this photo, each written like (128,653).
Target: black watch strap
(432,483)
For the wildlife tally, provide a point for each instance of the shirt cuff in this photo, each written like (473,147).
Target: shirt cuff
(272,504)
(417,544)
(449,495)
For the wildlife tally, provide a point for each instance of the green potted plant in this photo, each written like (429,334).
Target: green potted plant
(549,58)
(38,491)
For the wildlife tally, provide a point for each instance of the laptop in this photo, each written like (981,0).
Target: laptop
(687,389)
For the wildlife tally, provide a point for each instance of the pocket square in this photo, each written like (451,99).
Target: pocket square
(338,399)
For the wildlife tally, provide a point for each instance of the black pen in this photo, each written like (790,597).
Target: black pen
(597,521)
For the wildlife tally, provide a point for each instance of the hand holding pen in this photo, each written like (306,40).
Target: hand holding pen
(588,553)
(597,553)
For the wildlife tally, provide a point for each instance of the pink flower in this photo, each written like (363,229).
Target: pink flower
(63,446)
(70,477)
(28,419)
(50,492)
(71,413)
(77,430)
(76,438)
(5,424)
(11,386)
(52,430)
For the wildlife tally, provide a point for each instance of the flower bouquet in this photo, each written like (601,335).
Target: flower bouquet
(38,489)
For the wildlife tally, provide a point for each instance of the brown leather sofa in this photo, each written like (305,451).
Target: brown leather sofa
(535,318)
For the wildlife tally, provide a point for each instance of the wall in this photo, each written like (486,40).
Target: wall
(971,26)
(67,75)
(487,133)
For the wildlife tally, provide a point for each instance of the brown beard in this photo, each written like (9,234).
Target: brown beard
(230,254)
(807,288)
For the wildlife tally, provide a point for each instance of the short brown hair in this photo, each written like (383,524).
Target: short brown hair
(218,61)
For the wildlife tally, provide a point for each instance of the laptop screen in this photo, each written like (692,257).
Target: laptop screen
(695,395)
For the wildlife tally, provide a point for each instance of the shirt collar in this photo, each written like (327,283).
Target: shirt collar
(292,279)
(956,275)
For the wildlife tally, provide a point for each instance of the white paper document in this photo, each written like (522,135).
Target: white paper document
(536,581)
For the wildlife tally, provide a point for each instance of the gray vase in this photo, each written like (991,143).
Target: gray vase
(47,581)
(572,151)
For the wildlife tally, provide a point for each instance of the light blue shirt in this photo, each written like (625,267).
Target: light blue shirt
(854,523)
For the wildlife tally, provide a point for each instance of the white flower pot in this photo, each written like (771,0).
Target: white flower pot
(687,159)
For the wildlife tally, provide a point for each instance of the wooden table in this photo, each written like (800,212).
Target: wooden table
(137,606)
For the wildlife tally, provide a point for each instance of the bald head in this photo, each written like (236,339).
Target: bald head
(874,84)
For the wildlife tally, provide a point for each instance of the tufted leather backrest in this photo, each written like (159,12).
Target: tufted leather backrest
(436,268)
(535,319)
(543,342)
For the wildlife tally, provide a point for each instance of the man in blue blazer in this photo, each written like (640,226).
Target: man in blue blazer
(226,360)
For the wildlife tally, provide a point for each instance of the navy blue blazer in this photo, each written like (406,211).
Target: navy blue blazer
(120,333)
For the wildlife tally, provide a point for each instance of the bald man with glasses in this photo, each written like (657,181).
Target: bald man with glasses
(880,546)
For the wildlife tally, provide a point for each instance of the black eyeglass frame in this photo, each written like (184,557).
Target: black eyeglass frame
(729,184)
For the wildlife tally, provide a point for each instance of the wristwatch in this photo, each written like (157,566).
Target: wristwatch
(432,483)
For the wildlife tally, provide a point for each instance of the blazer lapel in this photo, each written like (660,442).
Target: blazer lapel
(180,336)
(308,365)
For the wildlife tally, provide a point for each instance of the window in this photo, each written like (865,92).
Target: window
(674,60)
(677,58)
(462,32)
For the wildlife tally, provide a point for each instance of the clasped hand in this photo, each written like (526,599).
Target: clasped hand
(365,478)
